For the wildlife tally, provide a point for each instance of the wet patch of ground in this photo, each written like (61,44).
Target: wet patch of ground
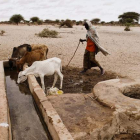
(79,83)
(25,118)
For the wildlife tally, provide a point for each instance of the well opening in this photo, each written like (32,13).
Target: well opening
(132,92)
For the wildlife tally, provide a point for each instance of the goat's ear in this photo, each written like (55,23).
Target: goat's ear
(14,49)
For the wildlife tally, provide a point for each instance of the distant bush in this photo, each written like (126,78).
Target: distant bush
(2,32)
(5,22)
(48,21)
(127,28)
(74,22)
(57,21)
(40,22)
(95,20)
(48,33)
(67,23)
(112,22)
(34,19)
(102,22)
(79,23)
(16,18)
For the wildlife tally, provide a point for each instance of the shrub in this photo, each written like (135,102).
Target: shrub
(79,23)
(40,22)
(74,22)
(16,18)
(95,20)
(127,28)
(48,33)
(34,19)
(102,22)
(48,21)
(57,21)
(2,32)
(67,23)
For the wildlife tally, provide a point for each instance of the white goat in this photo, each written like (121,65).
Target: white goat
(41,68)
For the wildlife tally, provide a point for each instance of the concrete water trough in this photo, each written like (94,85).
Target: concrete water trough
(105,114)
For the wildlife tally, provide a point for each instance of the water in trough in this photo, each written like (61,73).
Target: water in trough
(26,121)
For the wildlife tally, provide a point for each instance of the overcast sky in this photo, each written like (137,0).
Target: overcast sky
(106,10)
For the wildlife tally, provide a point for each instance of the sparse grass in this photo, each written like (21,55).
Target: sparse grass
(48,33)
(2,32)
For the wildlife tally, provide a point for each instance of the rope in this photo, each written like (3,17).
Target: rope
(73,54)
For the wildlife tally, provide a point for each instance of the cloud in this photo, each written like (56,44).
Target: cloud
(62,9)
(21,2)
(4,1)
(108,3)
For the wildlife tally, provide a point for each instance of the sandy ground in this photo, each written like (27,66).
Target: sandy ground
(124,47)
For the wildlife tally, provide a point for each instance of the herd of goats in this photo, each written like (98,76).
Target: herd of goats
(36,58)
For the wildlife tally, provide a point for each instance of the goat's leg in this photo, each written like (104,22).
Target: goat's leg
(42,82)
(55,79)
(61,79)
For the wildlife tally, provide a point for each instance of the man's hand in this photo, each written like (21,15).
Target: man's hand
(81,40)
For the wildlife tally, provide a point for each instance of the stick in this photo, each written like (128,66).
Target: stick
(74,53)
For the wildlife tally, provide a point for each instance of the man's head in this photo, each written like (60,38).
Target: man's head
(86,26)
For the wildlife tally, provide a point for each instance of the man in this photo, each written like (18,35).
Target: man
(92,48)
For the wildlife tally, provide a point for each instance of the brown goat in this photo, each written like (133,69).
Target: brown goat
(19,52)
(30,57)
(42,47)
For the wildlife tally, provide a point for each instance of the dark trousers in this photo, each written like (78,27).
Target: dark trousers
(90,61)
